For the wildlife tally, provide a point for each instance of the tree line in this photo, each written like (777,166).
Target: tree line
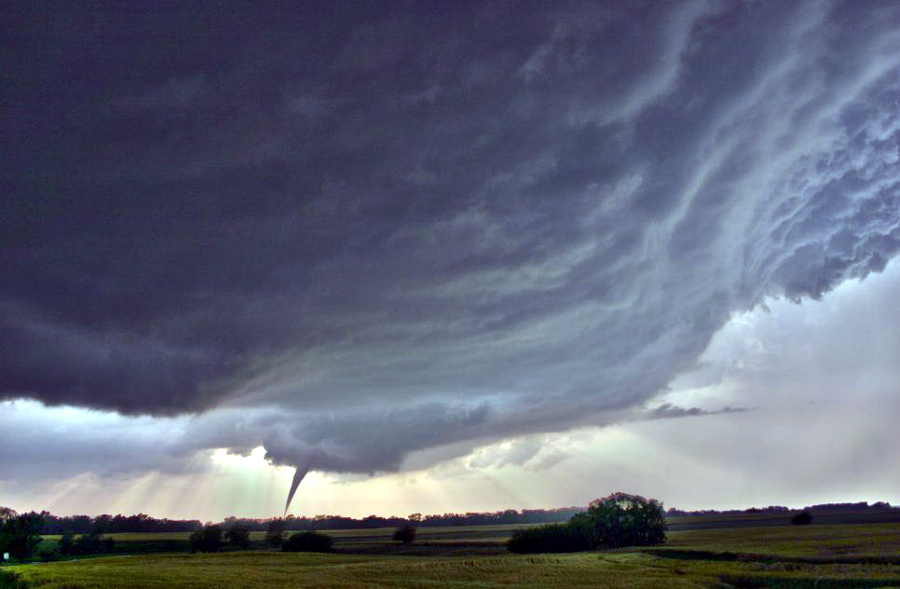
(143,523)
(862,506)
(338,522)
(113,524)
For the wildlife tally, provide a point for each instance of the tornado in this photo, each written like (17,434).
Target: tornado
(298,476)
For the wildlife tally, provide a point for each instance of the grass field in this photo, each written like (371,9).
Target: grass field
(448,540)
(817,556)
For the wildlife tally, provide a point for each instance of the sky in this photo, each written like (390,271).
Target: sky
(448,256)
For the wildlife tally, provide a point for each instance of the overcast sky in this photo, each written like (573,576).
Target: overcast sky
(447,255)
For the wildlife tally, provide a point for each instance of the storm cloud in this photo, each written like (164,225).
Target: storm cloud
(352,234)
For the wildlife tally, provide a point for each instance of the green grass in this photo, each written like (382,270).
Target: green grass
(830,541)
(817,556)
(276,570)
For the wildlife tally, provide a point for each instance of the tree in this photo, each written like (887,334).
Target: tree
(275,533)
(238,535)
(91,543)
(6,513)
(19,535)
(307,542)
(801,519)
(415,517)
(66,543)
(405,534)
(207,539)
(626,520)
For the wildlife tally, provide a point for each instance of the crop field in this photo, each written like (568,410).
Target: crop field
(820,556)
(446,540)
(376,533)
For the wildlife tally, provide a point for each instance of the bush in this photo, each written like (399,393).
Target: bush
(238,535)
(307,542)
(801,519)
(568,537)
(66,543)
(12,581)
(93,543)
(405,534)
(207,539)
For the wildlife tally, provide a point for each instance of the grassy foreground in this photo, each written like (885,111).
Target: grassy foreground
(853,556)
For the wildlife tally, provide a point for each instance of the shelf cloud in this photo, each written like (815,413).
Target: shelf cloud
(349,237)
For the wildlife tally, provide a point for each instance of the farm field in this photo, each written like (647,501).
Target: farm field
(468,540)
(854,556)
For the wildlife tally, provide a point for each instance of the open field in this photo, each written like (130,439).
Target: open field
(854,556)
(755,520)
(437,531)
(462,540)
(816,541)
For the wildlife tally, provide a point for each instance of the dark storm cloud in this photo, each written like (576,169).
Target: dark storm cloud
(380,230)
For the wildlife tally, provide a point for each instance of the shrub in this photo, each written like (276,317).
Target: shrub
(66,543)
(206,539)
(405,534)
(92,543)
(568,537)
(12,581)
(238,535)
(801,519)
(307,542)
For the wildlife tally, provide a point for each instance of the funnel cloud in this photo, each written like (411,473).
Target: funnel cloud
(299,473)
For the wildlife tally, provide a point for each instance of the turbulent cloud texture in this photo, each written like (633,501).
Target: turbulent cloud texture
(357,233)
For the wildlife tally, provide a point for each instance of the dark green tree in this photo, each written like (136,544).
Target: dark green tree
(91,543)
(307,542)
(405,534)
(206,539)
(238,535)
(626,520)
(801,519)
(66,543)
(20,535)
(275,533)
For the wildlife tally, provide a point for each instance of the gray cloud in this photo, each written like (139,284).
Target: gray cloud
(407,230)
(668,410)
